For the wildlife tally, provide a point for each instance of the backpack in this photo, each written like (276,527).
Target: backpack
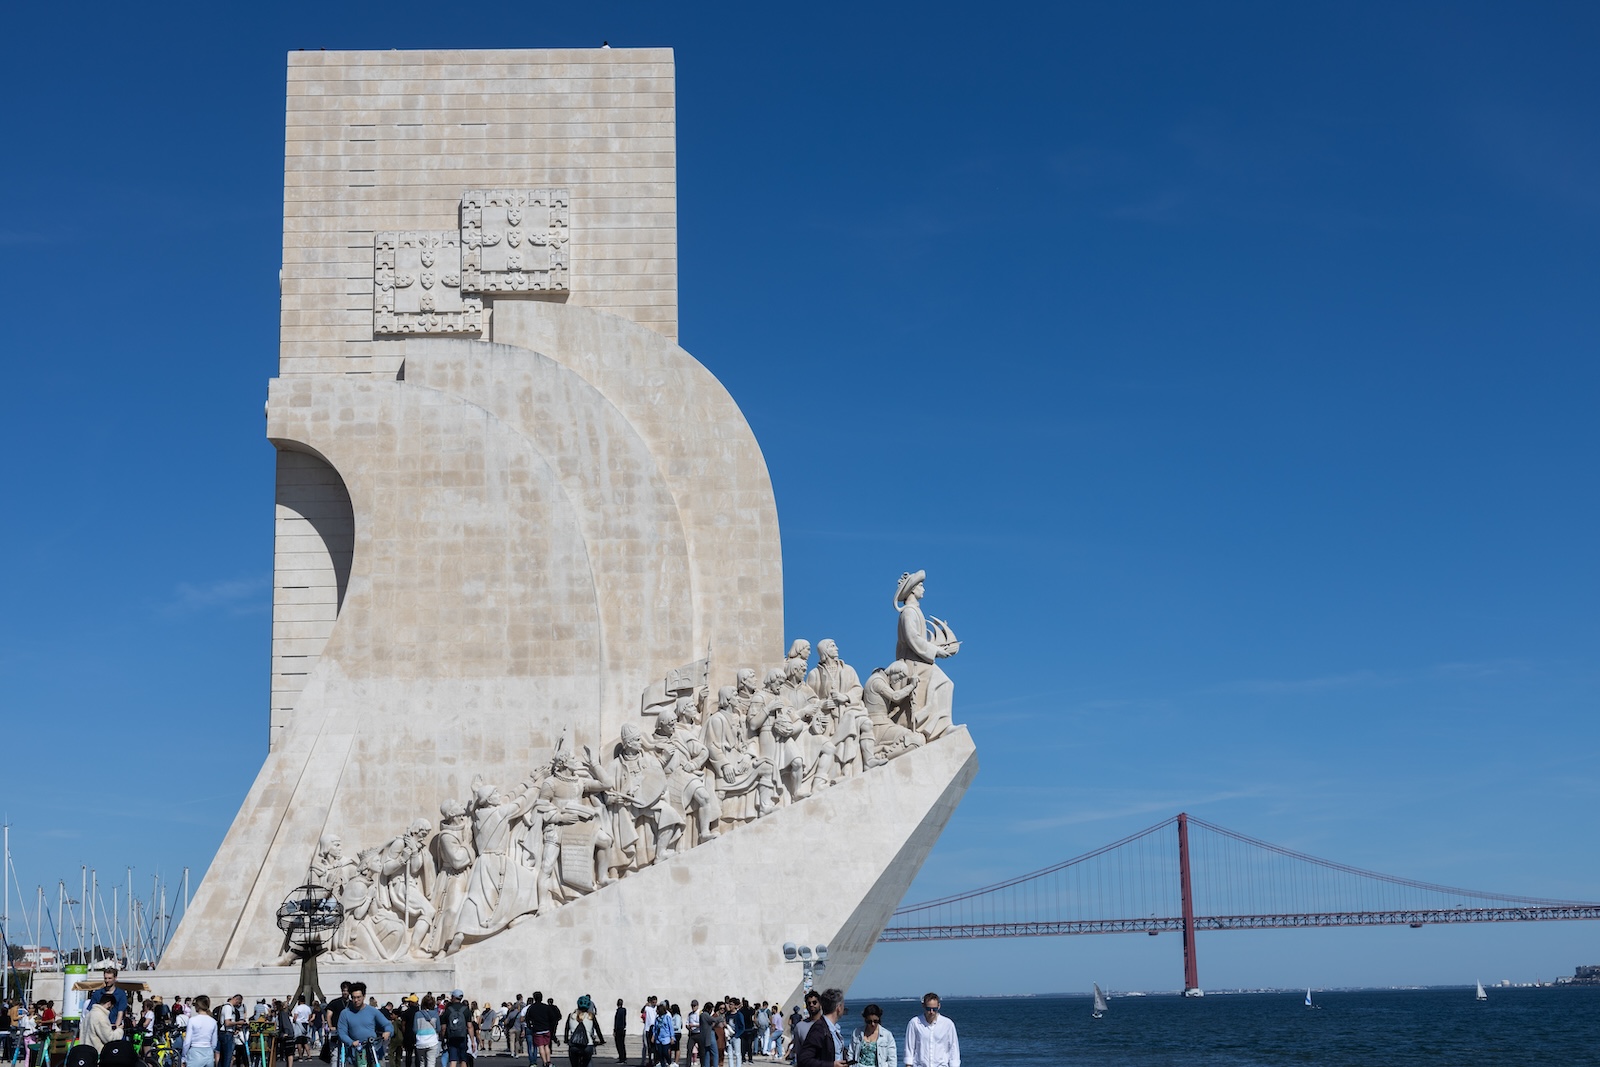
(455,1021)
(578,1036)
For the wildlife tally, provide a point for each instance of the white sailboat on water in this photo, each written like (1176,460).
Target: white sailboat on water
(1100,1006)
(1308,998)
(1481,994)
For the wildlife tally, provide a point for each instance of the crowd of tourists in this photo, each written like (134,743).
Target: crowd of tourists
(448,1030)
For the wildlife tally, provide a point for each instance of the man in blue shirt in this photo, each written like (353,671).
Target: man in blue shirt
(735,1031)
(118,1010)
(360,1023)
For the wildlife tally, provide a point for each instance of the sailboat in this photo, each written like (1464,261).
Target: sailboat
(1308,998)
(1481,994)
(1100,1005)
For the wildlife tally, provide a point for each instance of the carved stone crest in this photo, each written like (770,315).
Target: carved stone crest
(416,285)
(514,241)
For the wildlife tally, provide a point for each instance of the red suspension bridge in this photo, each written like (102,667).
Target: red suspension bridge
(1185,875)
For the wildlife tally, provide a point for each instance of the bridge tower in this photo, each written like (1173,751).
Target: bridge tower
(1191,968)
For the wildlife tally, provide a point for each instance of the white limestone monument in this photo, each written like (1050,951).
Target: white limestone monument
(533,719)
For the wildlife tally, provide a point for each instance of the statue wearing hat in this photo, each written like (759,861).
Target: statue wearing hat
(924,640)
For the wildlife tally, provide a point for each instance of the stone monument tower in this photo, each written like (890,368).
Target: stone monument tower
(531,715)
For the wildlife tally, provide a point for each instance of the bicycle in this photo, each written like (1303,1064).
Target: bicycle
(160,1051)
(367,1054)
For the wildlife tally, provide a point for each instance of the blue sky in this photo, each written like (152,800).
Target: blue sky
(1230,368)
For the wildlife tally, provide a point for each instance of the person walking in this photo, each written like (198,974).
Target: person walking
(200,1035)
(931,1038)
(425,1025)
(824,1045)
(872,1045)
(619,1030)
(513,1025)
(582,1033)
(802,1027)
(456,1029)
(541,1021)
(359,1026)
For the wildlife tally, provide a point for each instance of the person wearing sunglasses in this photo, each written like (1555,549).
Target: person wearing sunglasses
(824,1045)
(872,1045)
(931,1038)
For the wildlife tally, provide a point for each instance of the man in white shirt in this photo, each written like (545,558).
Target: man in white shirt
(931,1038)
(649,1016)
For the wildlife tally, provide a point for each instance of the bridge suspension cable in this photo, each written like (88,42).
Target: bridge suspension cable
(1185,874)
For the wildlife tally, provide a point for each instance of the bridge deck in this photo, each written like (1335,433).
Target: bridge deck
(1425,917)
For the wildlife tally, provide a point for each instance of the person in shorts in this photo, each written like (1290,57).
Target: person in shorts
(455,1029)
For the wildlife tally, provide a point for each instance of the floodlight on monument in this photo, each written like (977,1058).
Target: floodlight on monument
(810,964)
(308,918)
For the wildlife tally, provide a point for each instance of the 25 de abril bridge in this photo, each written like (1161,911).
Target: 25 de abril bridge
(1186,875)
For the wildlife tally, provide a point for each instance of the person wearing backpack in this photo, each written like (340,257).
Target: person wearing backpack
(582,1033)
(456,1025)
(425,1024)
(661,1034)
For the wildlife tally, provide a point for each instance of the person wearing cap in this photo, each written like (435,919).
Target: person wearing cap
(456,1026)
(582,1033)
(408,1030)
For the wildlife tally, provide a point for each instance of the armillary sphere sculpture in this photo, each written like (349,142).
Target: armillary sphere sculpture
(308,918)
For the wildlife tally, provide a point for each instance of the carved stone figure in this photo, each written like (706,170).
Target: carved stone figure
(745,782)
(815,742)
(330,868)
(784,725)
(576,837)
(799,655)
(376,933)
(636,795)
(887,698)
(452,855)
(839,687)
(758,704)
(406,877)
(504,883)
(683,756)
(922,641)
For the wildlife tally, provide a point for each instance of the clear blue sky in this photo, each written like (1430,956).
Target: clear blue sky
(1231,369)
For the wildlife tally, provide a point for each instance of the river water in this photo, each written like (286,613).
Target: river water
(1377,1028)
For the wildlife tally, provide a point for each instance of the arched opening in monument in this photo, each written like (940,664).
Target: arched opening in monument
(313,548)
